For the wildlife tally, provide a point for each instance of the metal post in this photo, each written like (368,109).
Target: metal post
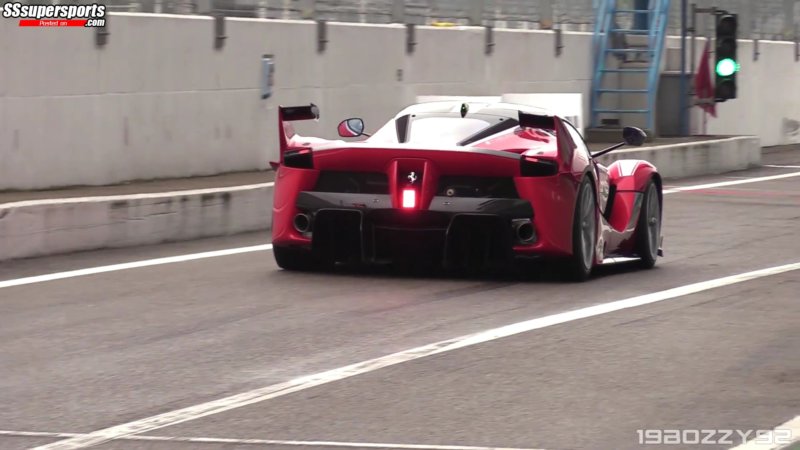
(693,31)
(322,36)
(797,42)
(684,123)
(411,40)
(101,35)
(559,41)
(489,40)
(219,30)
(756,52)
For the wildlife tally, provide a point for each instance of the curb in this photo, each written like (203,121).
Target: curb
(56,226)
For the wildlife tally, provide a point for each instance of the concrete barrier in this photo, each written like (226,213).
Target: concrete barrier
(46,227)
(697,158)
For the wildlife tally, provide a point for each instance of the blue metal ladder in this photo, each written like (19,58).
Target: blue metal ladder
(606,44)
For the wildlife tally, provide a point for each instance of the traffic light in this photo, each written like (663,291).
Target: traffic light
(727,64)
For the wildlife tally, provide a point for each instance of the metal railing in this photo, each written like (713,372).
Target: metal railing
(761,19)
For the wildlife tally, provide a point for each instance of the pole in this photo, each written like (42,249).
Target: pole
(693,30)
(683,88)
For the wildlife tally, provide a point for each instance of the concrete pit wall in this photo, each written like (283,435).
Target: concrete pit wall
(160,101)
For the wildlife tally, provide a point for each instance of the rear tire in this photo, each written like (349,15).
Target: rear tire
(584,234)
(289,258)
(648,234)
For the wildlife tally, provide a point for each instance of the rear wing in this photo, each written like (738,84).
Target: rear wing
(554,124)
(287,114)
(541,121)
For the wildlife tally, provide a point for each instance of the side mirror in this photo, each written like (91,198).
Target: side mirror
(634,136)
(351,128)
(630,135)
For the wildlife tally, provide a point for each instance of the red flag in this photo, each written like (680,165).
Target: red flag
(703,86)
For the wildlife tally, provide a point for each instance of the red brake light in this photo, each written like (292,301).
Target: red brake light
(409,198)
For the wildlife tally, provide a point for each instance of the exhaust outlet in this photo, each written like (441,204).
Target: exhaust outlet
(302,223)
(524,231)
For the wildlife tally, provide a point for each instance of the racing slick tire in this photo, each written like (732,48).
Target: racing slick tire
(584,234)
(648,233)
(294,259)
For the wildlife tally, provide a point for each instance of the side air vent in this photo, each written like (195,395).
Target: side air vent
(299,158)
(537,167)
(480,187)
(352,182)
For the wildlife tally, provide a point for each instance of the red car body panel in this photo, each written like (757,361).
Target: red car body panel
(552,196)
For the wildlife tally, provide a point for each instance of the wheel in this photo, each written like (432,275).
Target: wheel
(289,258)
(648,234)
(584,234)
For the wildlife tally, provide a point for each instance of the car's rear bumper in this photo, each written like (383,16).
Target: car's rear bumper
(451,231)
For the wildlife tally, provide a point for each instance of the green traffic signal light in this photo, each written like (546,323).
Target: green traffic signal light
(727,67)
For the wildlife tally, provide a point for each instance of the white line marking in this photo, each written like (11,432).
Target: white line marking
(209,440)
(36,434)
(132,265)
(318,443)
(306,382)
(780,166)
(729,183)
(776,439)
(111,198)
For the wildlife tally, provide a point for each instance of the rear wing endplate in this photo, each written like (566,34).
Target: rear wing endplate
(287,114)
(554,124)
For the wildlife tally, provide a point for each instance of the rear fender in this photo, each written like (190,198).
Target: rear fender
(629,178)
(289,182)
(631,174)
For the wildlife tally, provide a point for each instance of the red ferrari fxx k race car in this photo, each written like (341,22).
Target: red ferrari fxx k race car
(461,185)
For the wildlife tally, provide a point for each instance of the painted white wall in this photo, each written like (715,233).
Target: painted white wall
(159,101)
